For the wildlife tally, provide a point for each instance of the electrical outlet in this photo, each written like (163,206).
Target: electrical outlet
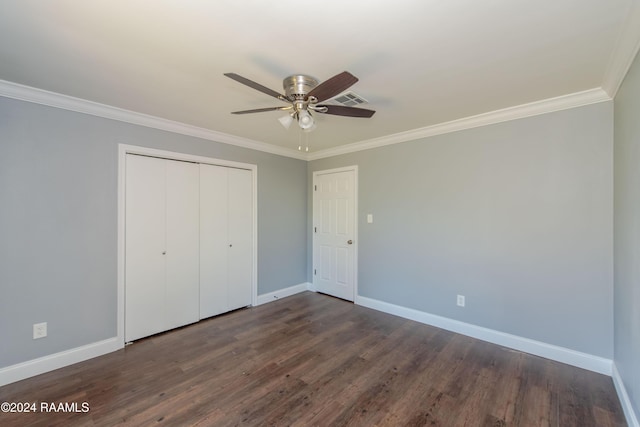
(460,300)
(39,330)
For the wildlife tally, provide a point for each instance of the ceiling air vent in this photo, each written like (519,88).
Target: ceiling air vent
(349,99)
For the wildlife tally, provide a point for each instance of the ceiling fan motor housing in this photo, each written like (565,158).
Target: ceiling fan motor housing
(298,86)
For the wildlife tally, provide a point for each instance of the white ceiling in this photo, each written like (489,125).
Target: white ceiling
(420,62)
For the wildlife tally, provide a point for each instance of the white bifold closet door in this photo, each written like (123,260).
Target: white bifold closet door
(161,244)
(226,239)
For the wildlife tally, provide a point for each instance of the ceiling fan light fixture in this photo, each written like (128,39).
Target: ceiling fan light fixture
(286,121)
(305,120)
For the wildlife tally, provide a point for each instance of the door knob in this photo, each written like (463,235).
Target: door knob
(350,242)
(164,252)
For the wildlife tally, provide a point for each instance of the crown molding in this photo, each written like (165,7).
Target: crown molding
(65,102)
(624,52)
(559,103)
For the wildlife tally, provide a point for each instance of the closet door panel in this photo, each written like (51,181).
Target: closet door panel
(144,247)
(213,240)
(240,223)
(183,234)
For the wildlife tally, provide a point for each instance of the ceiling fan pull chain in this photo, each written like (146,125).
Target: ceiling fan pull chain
(306,140)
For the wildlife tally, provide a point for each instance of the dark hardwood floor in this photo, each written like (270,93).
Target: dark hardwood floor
(310,360)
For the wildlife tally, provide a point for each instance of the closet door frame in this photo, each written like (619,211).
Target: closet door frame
(123,150)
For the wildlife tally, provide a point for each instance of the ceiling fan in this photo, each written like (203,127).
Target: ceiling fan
(304,95)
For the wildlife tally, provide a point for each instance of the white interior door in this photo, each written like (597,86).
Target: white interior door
(240,237)
(161,245)
(213,240)
(183,246)
(226,241)
(334,237)
(144,246)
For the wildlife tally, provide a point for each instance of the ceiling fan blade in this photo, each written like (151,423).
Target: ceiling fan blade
(340,110)
(262,110)
(256,86)
(332,87)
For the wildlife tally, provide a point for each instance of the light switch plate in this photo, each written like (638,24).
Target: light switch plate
(370,218)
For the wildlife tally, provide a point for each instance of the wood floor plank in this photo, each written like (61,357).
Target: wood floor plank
(311,359)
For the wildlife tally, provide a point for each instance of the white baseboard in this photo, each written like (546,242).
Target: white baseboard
(51,362)
(625,402)
(549,351)
(282,293)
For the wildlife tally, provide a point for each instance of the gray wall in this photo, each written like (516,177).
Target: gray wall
(627,234)
(516,216)
(58,222)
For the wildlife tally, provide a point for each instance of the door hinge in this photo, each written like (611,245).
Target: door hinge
(314,272)
(315,229)
(315,188)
